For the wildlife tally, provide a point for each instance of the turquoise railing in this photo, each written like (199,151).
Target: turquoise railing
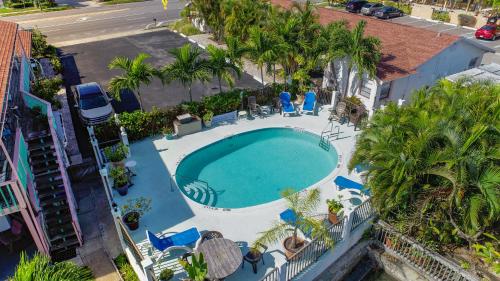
(8,201)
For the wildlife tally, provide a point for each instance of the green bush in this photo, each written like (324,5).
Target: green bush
(47,89)
(126,270)
(466,20)
(406,8)
(222,103)
(185,26)
(166,274)
(56,63)
(441,16)
(21,5)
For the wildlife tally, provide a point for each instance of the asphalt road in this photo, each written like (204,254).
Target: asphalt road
(88,63)
(99,21)
(454,30)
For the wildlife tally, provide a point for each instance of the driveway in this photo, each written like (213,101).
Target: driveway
(92,59)
(454,30)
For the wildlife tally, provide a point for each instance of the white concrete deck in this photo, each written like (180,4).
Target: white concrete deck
(157,159)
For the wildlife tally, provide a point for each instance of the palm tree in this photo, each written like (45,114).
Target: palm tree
(260,48)
(304,207)
(432,168)
(135,73)
(40,268)
(187,67)
(235,50)
(221,66)
(336,35)
(362,53)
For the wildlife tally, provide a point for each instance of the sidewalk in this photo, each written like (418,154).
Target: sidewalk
(203,40)
(101,242)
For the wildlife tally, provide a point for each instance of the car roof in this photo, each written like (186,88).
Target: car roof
(387,8)
(88,88)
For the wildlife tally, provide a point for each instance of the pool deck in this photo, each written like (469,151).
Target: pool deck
(157,160)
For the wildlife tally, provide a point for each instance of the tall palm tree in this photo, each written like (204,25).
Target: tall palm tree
(221,66)
(260,48)
(337,35)
(187,68)
(362,53)
(40,268)
(135,73)
(235,50)
(304,206)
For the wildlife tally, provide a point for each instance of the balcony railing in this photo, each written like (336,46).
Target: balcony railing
(8,201)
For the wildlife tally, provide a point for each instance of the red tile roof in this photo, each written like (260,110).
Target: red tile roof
(26,41)
(404,48)
(8,32)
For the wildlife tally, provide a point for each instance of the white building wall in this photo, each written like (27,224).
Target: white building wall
(457,57)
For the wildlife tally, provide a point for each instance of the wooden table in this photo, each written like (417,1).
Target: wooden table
(223,257)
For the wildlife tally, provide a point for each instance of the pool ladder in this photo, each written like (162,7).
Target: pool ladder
(329,132)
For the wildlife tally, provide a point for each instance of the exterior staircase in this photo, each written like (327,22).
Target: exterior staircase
(52,196)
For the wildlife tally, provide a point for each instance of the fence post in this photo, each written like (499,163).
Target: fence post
(124,137)
(147,265)
(346,231)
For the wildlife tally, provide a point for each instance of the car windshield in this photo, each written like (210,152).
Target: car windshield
(488,27)
(369,5)
(92,100)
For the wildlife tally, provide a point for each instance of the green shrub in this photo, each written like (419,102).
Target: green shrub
(166,274)
(441,16)
(47,89)
(466,20)
(126,270)
(222,103)
(56,64)
(21,5)
(185,26)
(406,8)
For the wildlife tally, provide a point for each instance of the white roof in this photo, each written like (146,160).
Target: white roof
(489,72)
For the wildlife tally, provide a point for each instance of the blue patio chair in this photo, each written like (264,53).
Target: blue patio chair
(361,168)
(345,183)
(286,105)
(309,102)
(290,218)
(178,241)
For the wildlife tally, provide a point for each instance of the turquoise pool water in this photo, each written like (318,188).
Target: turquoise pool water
(253,167)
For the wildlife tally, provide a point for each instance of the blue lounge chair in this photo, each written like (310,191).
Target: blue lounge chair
(286,104)
(178,241)
(309,102)
(345,183)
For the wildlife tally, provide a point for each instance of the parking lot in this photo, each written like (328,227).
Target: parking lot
(454,30)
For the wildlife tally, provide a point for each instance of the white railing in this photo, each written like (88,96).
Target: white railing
(274,275)
(433,265)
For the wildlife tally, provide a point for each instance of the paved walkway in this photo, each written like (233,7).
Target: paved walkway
(249,67)
(100,238)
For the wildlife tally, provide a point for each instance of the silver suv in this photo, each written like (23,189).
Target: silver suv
(370,8)
(93,104)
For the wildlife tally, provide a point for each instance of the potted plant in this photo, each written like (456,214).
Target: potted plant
(116,154)
(166,274)
(334,207)
(120,180)
(168,133)
(134,210)
(197,270)
(303,205)
(207,119)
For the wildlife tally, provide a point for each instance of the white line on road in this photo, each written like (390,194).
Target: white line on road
(45,18)
(92,20)
(130,19)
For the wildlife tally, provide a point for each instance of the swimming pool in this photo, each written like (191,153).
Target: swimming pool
(252,168)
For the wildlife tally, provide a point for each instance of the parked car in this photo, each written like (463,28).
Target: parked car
(92,103)
(489,31)
(369,8)
(354,6)
(388,12)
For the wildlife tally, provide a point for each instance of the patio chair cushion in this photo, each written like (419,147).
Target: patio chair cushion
(289,216)
(184,238)
(309,101)
(286,105)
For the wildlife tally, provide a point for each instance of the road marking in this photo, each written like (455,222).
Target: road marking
(496,47)
(448,29)
(72,16)
(410,22)
(130,19)
(425,26)
(92,20)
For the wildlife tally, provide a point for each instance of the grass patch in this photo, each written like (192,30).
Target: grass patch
(441,16)
(114,2)
(6,12)
(184,26)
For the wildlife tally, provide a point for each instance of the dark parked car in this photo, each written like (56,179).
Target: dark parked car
(354,6)
(388,12)
(489,31)
(370,8)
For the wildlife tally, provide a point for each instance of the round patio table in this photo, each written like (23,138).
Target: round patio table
(222,256)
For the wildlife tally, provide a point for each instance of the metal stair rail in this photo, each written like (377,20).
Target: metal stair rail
(432,265)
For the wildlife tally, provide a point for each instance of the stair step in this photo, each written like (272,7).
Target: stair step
(56,210)
(57,221)
(44,161)
(52,193)
(63,240)
(45,179)
(38,155)
(66,229)
(49,188)
(46,171)
(63,254)
(40,146)
(55,201)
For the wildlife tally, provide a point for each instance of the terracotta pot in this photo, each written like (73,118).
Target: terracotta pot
(388,242)
(208,123)
(333,218)
(122,190)
(131,225)
(289,251)
(119,163)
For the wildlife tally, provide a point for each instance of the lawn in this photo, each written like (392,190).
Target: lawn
(6,12)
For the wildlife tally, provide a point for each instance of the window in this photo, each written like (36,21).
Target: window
(473,62)
(365,89)
(385,90)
